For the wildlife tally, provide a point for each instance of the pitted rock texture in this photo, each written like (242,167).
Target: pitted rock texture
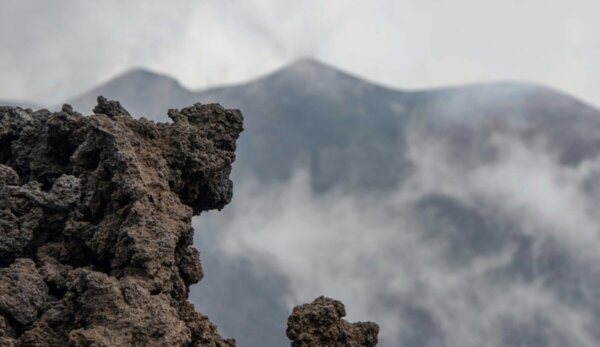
(95,224)
(320,324)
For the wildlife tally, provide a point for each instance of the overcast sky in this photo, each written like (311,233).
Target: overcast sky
(53,50)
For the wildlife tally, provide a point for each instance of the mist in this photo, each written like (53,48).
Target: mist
(492,243)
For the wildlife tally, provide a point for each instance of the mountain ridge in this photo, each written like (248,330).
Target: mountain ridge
(297,72)
(310,98)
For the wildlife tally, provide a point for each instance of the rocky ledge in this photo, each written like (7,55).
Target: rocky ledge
(95,224)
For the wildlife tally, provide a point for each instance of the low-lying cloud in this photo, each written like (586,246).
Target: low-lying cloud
(499,251)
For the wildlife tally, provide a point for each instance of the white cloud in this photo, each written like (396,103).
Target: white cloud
(390,263)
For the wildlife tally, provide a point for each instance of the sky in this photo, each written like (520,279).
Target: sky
(55,50)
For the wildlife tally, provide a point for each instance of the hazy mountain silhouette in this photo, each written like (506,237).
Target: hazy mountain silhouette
(356,138)
(24,104)
(344,127)
(143,93)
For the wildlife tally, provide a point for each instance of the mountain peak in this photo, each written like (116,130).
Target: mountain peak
(308,67)
(308,63)
(141,77)
(308,75)
(141,91)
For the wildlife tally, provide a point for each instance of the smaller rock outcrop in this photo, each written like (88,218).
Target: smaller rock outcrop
(320,323)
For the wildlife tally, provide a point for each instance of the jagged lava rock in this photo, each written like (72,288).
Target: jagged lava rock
(320,324)
(95,224)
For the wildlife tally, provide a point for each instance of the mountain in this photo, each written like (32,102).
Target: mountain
(348,118)
(142,92)
(313,113)
(300,107)
(468,215)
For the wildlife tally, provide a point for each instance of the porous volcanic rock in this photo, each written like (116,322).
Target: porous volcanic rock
(95,224)
(320,324)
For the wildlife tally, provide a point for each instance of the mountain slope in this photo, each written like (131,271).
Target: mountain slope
(355,127)
(351,121)
(309,113)
(455,207)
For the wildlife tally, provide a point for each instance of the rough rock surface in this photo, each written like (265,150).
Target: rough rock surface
(95,224)
(320,323)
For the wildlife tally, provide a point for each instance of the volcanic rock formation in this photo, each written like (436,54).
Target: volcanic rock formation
(95,224)
(320,324)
